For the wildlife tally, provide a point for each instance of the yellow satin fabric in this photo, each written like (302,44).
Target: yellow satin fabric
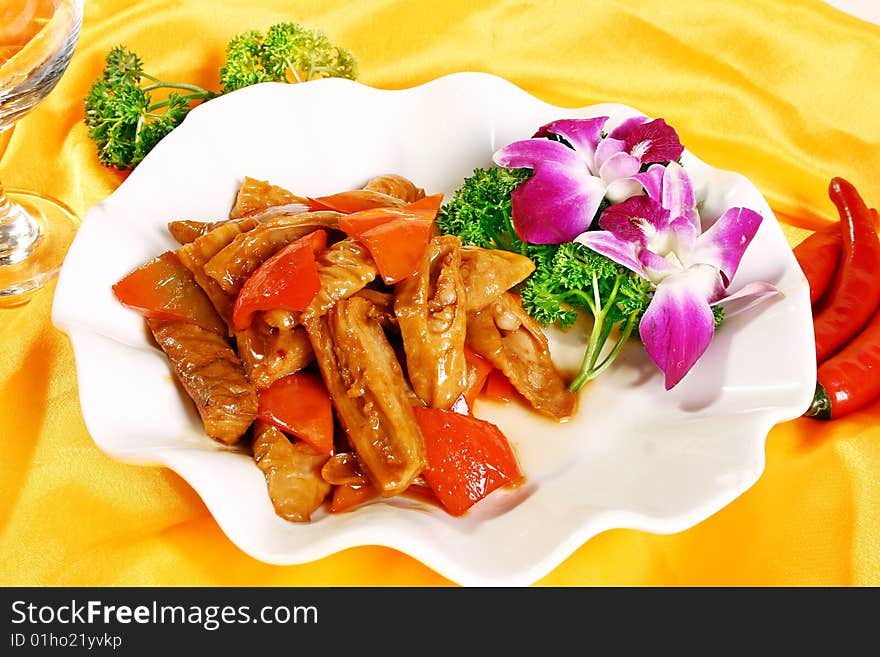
(786,92)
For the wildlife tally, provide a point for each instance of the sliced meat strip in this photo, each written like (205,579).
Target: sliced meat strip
(344,469)
(270,353)
(508,337)
(397,186)
(234,264)
(256,195)
(293,472)
(370,394)
(212,375)
(344,269)
(383,303)
(196,254)
(185,230)
(429,307)
(487,273)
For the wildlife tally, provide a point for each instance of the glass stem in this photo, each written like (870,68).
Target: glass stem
(18,231)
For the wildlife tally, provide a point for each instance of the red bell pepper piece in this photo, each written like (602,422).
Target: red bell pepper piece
(397,247)
(396,237)
(165,289)
(425,208)
(481,368)
(364,200)
(288,280)
(355,200)
(299,404)
(499,388)
(468,458)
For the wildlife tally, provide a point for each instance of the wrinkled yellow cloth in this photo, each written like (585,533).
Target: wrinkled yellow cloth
(785,91)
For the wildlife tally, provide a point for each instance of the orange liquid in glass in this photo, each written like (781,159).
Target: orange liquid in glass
(21,21)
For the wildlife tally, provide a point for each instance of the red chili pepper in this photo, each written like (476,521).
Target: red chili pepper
(856,294)
(818,256)
(849,380)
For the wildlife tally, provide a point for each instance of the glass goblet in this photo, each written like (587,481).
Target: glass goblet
(37,38)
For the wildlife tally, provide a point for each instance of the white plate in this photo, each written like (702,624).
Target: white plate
(634,456)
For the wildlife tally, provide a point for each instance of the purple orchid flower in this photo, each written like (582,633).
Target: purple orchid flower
(560,200)
(659,237)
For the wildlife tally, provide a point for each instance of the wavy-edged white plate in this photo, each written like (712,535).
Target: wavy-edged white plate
(634,456)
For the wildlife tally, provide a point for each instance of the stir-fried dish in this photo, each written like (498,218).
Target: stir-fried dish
(346,341)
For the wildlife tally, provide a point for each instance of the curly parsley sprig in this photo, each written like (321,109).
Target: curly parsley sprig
(126,123)
(121,116)
(287,53)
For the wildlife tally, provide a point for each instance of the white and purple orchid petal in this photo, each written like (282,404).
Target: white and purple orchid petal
(678,193)
(561,198)
(654,141)
(556,204)
(607,149)
(706,280)
(637,219)
(683,233)
(652,181)
(622,252)
(619,165)
(724,244)
(657,267)
(677,327)
(751,293)
(583,134)
(621,189)
(532,153)
(622,131)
